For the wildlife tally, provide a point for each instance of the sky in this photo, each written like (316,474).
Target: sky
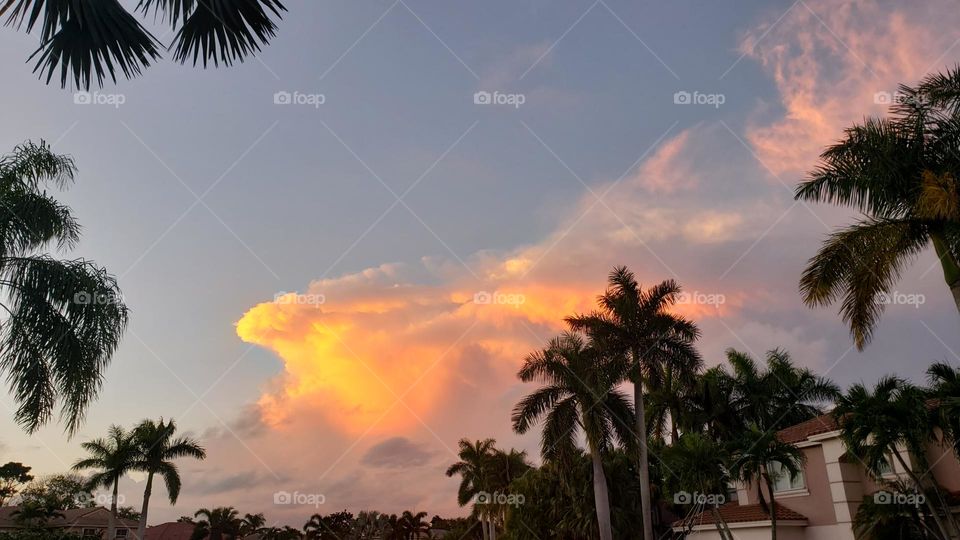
(338,253)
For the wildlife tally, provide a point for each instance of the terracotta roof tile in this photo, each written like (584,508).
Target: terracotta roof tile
(736,513)
(173,530)
(804,430)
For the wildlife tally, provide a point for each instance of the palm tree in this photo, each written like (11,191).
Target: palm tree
(578,392)
(474,471)
(113,457)
(65,318)
(778,395)
(252,523)
(158,448)
(699,465)
(880,426)
(414,524)
(83,40)
(216,523)
(901,172)
(636,323)
(712,407)
(754,452)
(945,388)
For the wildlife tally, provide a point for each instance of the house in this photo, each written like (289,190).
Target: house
(88,522)
(173,530)
(821,503)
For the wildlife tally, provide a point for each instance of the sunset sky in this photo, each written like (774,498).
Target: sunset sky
(331,294)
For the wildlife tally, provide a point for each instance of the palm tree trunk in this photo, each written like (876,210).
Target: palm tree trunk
(951,267)
(601,495)
(919,486)
(493,527)
(483,525)
(142,527)
(112,520)
(645,506)
(722,528)
(773,511)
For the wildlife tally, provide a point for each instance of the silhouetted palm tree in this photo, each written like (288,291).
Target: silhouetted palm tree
(216,523)
(85,40)
(578,392)
(889,426)
(902,173)
(779,394)
(64,318)
(699,465)
(113,457)
(475,477)
(158,449)
(252,523)
(754,452)
(636,323)
(945,389)
(414,524)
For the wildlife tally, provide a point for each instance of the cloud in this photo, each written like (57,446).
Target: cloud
(397,452)
(828,59)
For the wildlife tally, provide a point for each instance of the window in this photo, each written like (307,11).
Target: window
(781,478)
(91,533)
(121,533)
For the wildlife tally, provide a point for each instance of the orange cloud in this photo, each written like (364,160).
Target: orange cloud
(829,60)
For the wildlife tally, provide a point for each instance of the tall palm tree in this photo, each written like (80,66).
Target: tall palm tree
(83,40)
(414,524)
(779,394)
(158,448)
(638,324)
(711,406)
(475,476)
(699,465)
(890,425)
(754,452)
(945,388)
(216,524)
(578,393)
(901,172)
(113,457)
(64,317)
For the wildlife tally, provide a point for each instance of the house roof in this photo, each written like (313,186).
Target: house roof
(94,517)
(736,513)
(804,430)
(173,530)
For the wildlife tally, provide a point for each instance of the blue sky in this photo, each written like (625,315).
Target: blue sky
(207,199)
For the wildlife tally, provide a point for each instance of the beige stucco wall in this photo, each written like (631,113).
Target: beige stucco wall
(816,503)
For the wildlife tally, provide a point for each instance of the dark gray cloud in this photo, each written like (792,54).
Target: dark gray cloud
(397,452)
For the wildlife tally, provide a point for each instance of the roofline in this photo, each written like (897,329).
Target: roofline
(746,525)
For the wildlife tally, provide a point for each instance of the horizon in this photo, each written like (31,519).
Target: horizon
(338,253)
